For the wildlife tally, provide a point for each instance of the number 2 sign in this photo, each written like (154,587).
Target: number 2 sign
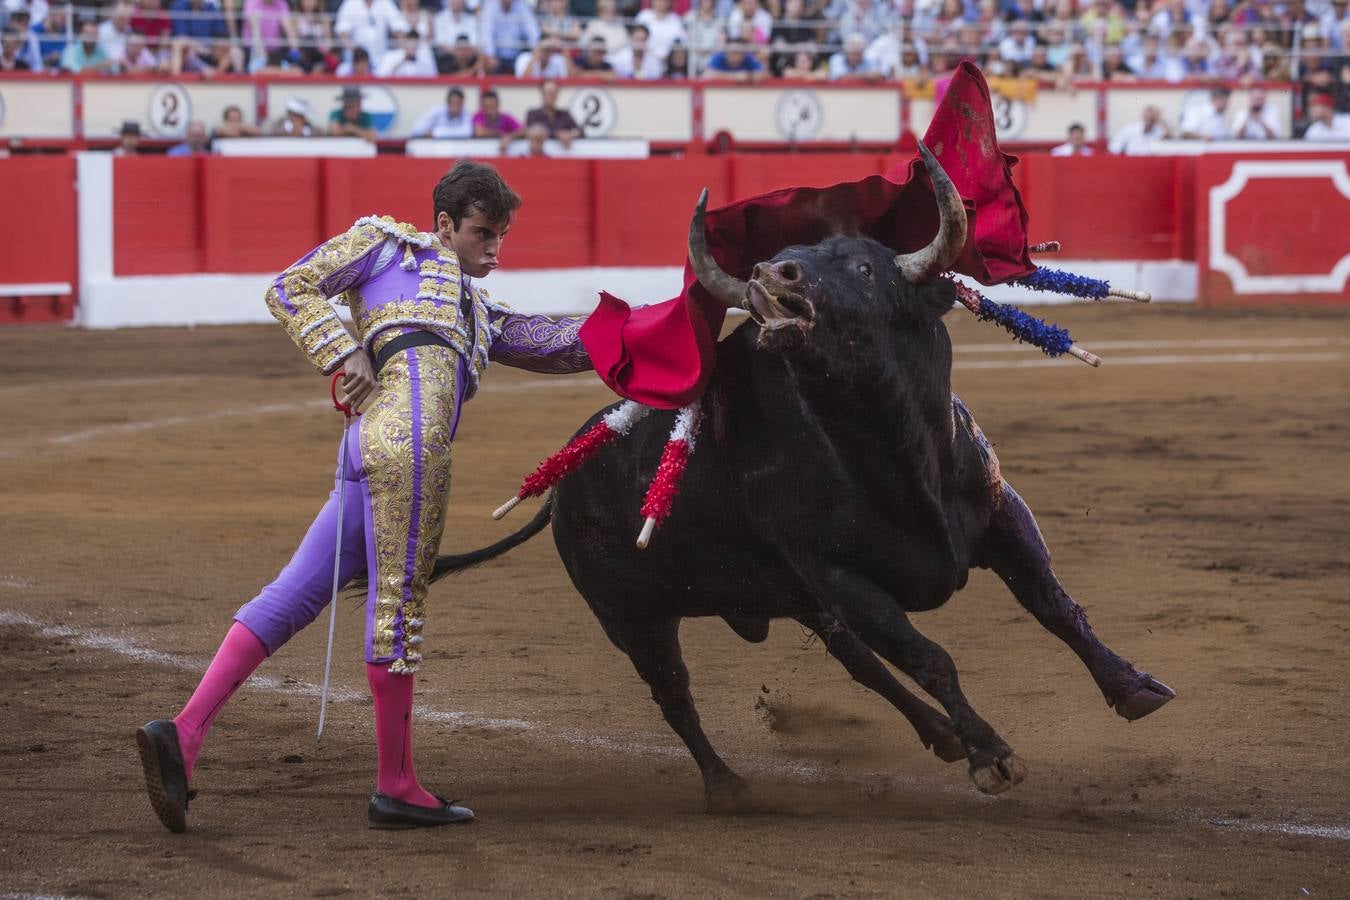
(170,110)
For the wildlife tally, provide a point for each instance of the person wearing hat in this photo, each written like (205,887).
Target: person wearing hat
(1324,127)
(350,120)
(129,138)
(296,122)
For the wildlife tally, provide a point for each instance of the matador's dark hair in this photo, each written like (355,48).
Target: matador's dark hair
(473,185)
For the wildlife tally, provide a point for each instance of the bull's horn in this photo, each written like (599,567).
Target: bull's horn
(727,290)
(937,257)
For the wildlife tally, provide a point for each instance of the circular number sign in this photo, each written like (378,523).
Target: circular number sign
(595,111)
(799,115)
(170,110)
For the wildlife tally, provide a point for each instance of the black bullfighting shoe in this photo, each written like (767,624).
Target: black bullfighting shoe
(165,775)
(386,812)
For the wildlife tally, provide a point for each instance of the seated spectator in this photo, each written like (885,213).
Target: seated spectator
(51,37)
(790,35)
(232,124)
(1114,67)
(509,29)
(412,58)
(1238,59)
(490,121)
(195,141)
(138,59)
(533,145)
(349,119)
(314,33)
(734,63)
(663,26)
(677,63)
(592,61)
(464,59)
(296,122)
(200,38)
(1171,62)
(1139,138)
(113,32)
(21,21)
(547,60)
(128,140)
(1260,121)
(606,25)
(85,54)
(357,67)
(151,19)
(897,56)
(267,27)
(1205,121)
(11,50)
(558,123)
(635,60)
(453,22)
(556,22)
(849,64)
(760,20)
(448,120)
(806,66)
(1076,145)
(869,18)
(1019,44)
(705,32)
(367,24)
(1324,127)
(418,16)
(1196,59)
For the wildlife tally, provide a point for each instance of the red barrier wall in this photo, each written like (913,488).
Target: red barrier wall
(254,215)
(37,234)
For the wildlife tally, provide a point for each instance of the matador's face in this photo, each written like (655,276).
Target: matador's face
(477,242)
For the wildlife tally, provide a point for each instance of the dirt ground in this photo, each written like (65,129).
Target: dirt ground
(1194,491)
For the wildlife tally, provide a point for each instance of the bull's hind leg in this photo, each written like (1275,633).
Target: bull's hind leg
(655,652)
(1014,548)
(934,729)
(880,622)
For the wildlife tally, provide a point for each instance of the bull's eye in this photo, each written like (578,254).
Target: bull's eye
(865,269)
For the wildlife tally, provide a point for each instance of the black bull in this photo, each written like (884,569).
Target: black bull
(838,482)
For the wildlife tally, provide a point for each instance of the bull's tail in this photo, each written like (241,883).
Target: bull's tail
(449,565)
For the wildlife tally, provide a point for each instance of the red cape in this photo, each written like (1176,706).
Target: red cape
(663,355)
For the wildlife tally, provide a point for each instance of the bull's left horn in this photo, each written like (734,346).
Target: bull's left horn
(727,290)
(937,257)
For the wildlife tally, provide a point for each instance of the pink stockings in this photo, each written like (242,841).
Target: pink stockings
(241,652)
(393,695)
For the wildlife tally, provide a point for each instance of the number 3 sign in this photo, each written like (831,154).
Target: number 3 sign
(595,111)
(170,110)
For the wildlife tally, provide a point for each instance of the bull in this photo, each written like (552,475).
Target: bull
(839,482)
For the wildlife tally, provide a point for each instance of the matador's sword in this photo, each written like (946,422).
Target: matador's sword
(337,551)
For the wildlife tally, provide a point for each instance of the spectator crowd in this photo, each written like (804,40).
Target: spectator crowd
(1305,41)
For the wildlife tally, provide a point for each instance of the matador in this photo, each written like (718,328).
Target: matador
(426,333)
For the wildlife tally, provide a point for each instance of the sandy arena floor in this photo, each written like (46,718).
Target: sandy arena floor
(1194,491)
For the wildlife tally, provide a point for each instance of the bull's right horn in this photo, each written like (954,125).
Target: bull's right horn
(727,290)
(930,262)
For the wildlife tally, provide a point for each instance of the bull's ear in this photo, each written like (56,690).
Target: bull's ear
(927,301)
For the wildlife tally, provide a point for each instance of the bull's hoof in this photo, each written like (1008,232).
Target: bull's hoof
(1146,695)
(994,776)
(945,745)
(727,795)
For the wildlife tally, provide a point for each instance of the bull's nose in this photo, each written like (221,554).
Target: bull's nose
(788,272)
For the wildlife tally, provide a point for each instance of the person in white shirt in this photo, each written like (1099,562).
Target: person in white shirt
(757,17)
(451,23)
(1324,126)
(547,60)
(449,120)
(412,58)
(1260,121)
(112,33)
(534,145)
(896,55)
(1020,43)
(607,25)
(849,64)
(367,23)
(637,60)
(1139,138)
(1076,145)
(664,27)
(1205,121)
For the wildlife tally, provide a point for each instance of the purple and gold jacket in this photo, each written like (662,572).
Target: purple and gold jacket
(390,275)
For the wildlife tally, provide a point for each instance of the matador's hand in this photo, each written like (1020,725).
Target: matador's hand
(358,379)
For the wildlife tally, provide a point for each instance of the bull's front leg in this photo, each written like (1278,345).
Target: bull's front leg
(875,617)
(1014,549)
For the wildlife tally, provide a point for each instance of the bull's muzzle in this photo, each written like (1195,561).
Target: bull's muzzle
(775,300)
